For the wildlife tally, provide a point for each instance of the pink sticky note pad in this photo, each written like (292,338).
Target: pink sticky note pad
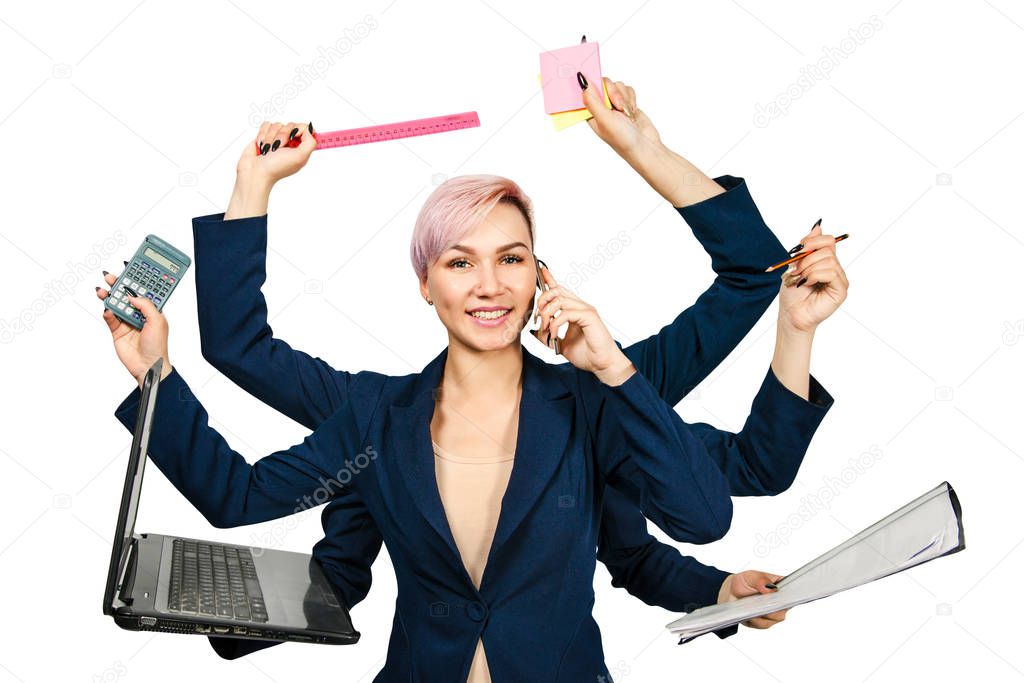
(558,69)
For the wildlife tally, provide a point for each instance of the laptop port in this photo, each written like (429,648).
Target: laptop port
(221,629)
(147,621)
(241,630)
(201,628)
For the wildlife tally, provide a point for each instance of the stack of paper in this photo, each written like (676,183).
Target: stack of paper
(563,97)
(924,529)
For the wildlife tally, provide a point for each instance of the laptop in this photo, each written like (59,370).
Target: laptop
(172,584)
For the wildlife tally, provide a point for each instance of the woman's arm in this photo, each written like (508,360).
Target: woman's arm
(226,489)
(645,450)
(217,480)
(728,226)
(230,270)
(685,351)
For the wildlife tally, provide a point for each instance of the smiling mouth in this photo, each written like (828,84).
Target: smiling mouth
(490,315)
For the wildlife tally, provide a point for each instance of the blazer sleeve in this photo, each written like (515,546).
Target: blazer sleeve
(731,230)
(654,572)
(644,449)
(218,481)
(763,458)
(235,337)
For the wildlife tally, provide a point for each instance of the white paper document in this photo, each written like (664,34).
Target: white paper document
(924,529)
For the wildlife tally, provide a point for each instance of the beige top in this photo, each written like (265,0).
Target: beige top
(471,490)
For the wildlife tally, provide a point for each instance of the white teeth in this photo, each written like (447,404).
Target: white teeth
(489,315)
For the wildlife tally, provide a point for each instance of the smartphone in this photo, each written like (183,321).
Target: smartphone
(543,287)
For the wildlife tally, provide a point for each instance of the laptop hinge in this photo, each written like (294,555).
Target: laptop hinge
(128,580)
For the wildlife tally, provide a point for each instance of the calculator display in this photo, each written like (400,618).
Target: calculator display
(163,261)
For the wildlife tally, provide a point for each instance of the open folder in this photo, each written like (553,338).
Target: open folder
(924,529)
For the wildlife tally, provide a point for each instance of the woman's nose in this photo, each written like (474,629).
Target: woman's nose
(489,282)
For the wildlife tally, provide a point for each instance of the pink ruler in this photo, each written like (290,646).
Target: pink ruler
(391,131)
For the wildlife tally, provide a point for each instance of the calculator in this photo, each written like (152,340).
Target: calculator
(153,272)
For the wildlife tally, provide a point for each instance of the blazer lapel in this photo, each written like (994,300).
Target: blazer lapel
(409,431)
(545,423)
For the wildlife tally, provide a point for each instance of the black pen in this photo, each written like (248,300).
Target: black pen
(129,290)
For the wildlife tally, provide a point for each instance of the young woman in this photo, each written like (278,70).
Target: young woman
(497,283)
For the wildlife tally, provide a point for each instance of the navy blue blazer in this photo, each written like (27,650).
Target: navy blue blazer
(237,340)
(533,608)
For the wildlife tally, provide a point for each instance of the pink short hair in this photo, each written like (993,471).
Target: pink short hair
(456,207)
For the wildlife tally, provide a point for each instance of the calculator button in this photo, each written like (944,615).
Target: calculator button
(149,295)
(157,300)
(121,306)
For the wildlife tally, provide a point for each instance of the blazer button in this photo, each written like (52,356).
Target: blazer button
(476,611)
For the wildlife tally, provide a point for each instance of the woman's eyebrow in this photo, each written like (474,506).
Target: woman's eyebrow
(470,250)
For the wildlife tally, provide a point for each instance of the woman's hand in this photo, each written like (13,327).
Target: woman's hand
(138,349)
(625,128)
(813,287)
(751,582)
(587,343)
(278,160)
(258,171)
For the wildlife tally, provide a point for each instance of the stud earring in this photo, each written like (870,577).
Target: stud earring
(429,302)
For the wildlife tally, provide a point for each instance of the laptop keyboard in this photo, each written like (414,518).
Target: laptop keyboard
(215,580)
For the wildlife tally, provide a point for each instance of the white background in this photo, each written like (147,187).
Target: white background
(126,118)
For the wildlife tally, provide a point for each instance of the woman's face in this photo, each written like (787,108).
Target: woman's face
(491,267)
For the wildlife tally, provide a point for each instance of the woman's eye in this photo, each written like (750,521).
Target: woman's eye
(515,259)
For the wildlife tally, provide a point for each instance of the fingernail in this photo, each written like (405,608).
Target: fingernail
(582,80)
(796,249)
(126,263)
(264,149)
(97,289)
(772,586)
(311,127)
(106,273)
(801,282)
(816,224)
(277,143)
(295,131)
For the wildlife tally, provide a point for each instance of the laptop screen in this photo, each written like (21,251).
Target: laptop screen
(132,486)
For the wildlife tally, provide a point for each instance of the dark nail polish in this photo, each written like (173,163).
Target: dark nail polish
(295,131)
(126,263)
(311,127)
(264,149)
(801,282)
(106,273)
(816,224)
(796,249)
(584,39)
(277,143)
(772,586)
(582,80)
(97,289)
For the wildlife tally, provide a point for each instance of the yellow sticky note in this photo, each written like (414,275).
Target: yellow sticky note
(563,120)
